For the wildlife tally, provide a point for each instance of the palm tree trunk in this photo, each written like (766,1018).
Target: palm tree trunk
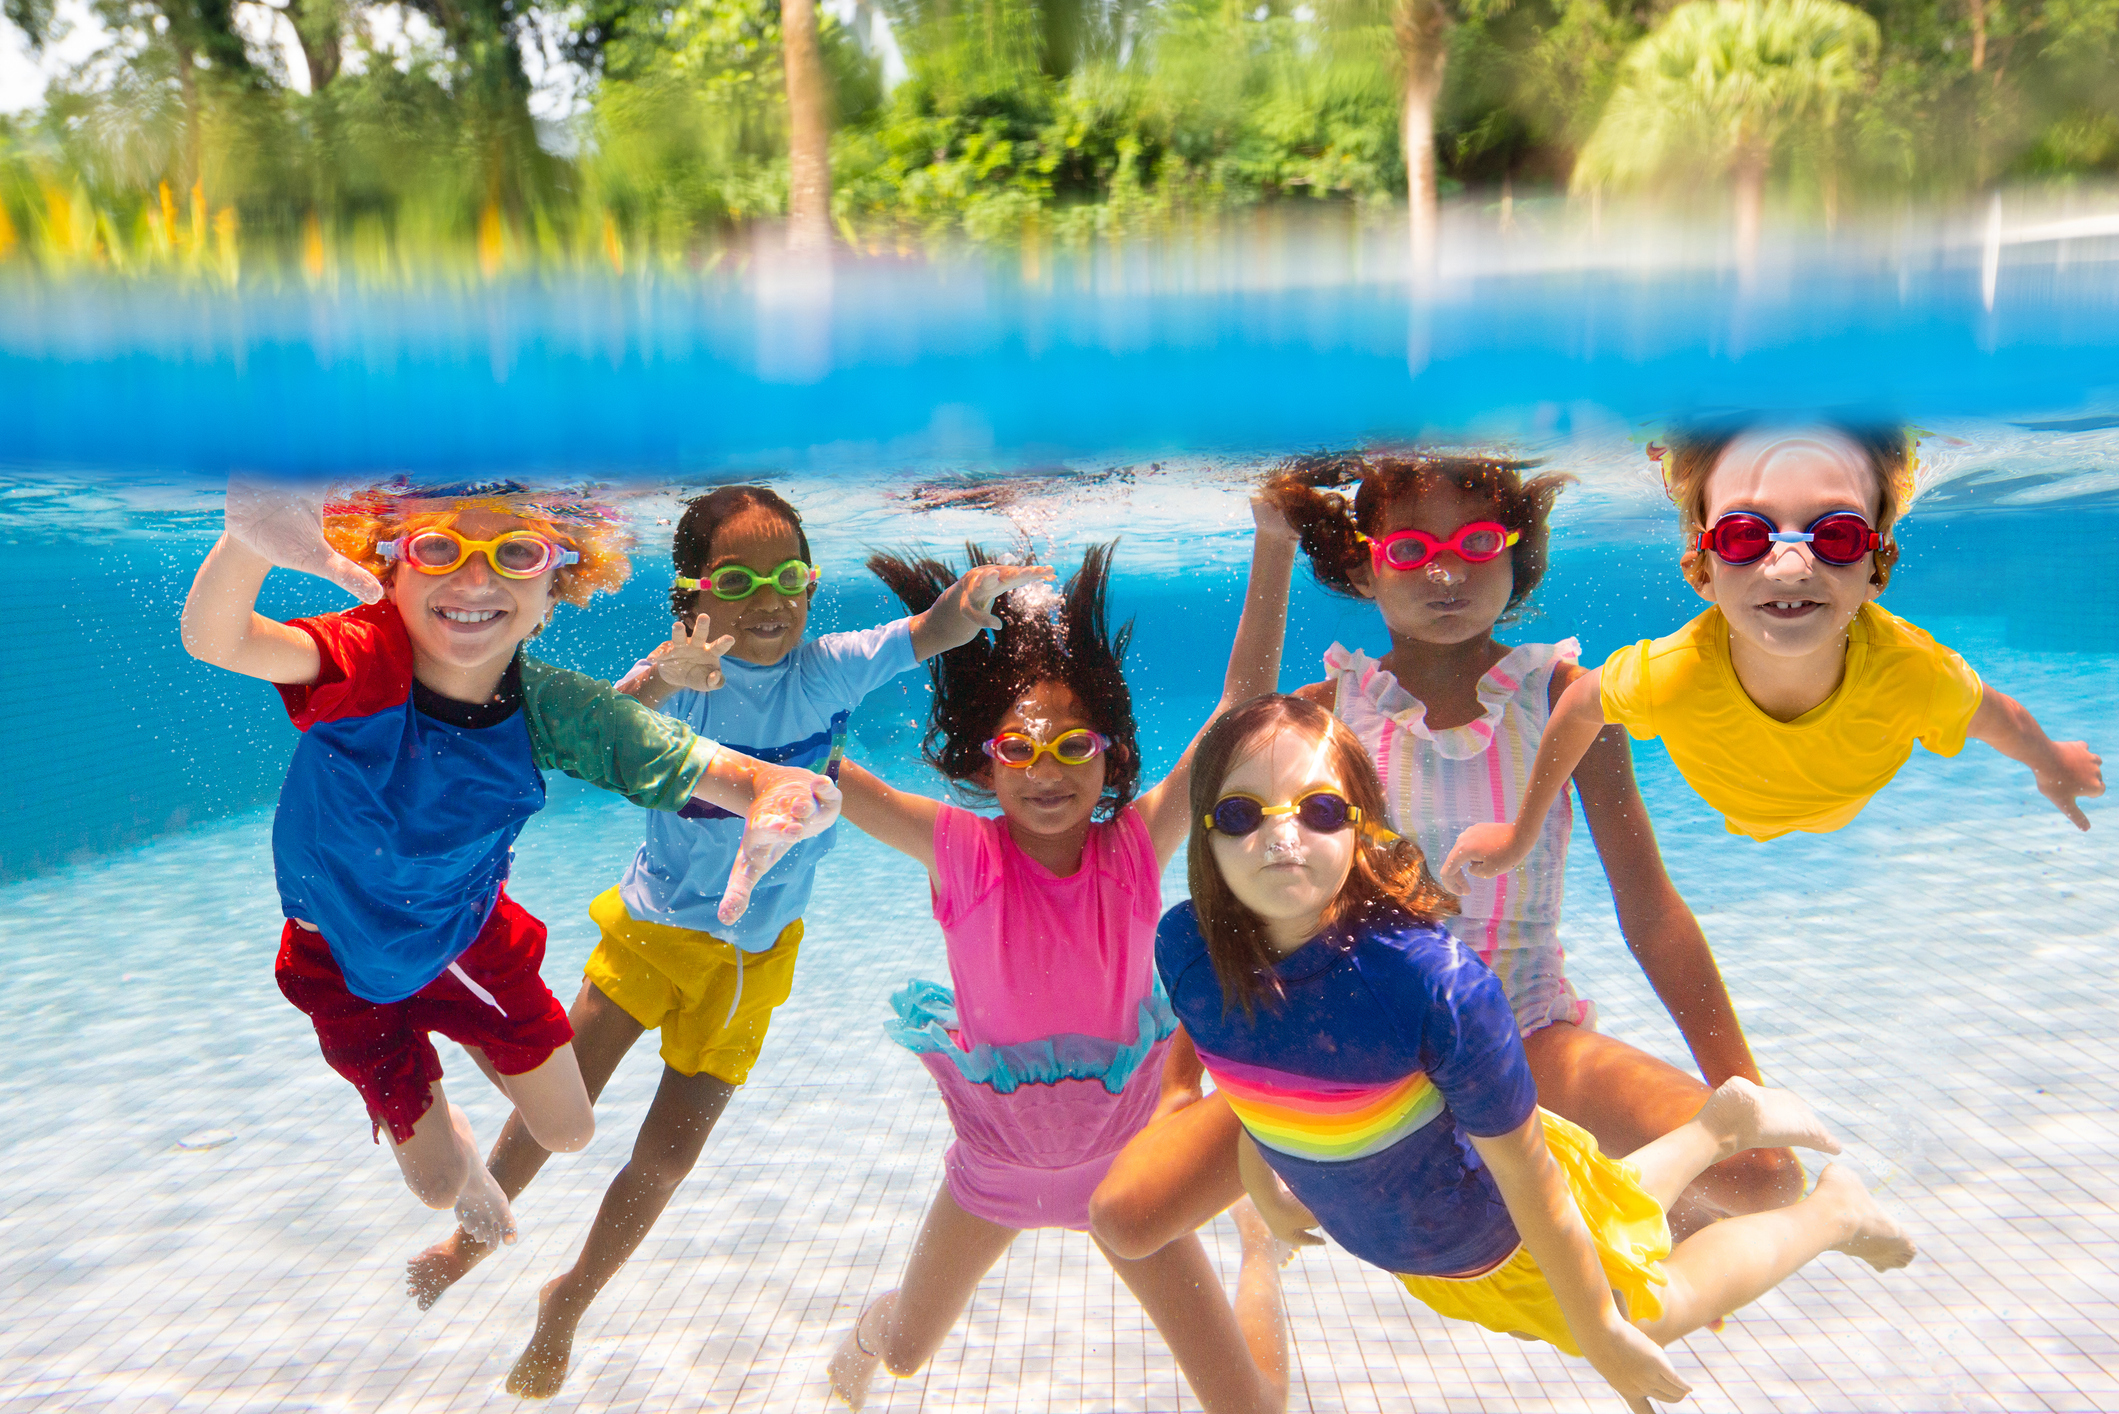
(808,130)
(1748,178)
(1422,28)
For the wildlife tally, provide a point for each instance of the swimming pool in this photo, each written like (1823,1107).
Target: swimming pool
(194,1219)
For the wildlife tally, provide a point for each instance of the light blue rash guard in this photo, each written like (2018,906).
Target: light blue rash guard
(787,714)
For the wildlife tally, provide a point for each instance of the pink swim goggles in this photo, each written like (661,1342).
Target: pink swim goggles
(1476,543)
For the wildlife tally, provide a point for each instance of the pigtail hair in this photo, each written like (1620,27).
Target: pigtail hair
(1301,489)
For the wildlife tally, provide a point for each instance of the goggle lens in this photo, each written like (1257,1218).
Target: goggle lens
(520,554)
(1741,538)
(1075,748)
(1841,540)
(434,550)
(740,581)
(1322,813)
(1476,543)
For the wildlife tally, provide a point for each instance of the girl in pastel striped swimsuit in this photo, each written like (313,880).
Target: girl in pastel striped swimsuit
(1447,547)
(1048,1046)
(1384,1094)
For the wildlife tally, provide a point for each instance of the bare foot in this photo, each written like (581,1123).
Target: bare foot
(852,1367)
(1758,1118)
(542,1367)
(1877,1239)
(482,1209)
(443,1265)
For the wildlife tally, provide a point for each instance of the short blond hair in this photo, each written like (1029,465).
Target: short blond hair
(357,523)
(1690,459)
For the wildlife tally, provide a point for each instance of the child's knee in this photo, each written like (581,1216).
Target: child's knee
(565,1132)
(1123,1231)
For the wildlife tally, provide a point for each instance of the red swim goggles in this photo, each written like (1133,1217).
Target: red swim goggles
(1476,543)
(1745,537)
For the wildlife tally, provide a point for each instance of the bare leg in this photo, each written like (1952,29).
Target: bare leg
(675,1130)
(441,1167)
(552,1101)
(1733,1263)
(603,1033)
(1170,1179)
(904,1328)
(1627,1098)
(1235,1360)
(1736,1117)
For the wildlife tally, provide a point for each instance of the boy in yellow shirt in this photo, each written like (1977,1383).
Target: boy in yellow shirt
(1795,697)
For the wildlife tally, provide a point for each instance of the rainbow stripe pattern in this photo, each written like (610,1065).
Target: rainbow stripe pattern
(1325,1121)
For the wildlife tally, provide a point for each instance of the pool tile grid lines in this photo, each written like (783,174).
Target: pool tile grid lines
(1963,1055)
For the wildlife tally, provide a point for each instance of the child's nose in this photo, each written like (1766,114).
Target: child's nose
(1439,572)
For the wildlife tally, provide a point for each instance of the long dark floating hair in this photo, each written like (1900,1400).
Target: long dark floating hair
(975,685)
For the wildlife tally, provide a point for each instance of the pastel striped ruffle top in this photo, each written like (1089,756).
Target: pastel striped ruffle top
(1322,1120)
(1436,783)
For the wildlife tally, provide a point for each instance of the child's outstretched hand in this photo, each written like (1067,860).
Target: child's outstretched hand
(1633,1364)
(1270,523)
(788,804)
(688,660)
(967,606)
(285,524)
(1482,851)
(2074,771)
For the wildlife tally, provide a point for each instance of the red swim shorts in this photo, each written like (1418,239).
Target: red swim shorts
(383,1047)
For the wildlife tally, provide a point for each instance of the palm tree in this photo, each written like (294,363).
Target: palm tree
(808,130)
(1718,85)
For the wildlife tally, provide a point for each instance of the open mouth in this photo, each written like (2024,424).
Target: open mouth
(470,618)
(1449,606)
(1789,608)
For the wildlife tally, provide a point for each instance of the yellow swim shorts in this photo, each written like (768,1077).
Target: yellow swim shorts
(711,1001)
(1627,1225)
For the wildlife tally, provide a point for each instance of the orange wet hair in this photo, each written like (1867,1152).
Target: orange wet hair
(357,523)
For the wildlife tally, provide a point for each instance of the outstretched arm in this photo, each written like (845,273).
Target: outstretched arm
(1487,851)
(898,818)
(781,805)
(264,526)
(2064,770)
(1254,668)
(684,660)
(1660,930)
(1558,1241)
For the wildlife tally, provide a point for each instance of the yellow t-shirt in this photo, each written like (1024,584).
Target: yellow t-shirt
(1816,772)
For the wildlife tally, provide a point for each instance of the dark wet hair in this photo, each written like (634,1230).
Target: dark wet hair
(975,685)
(1389,878)
(693,547)
(1331,529)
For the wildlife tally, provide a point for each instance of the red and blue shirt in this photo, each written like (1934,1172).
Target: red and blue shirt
(1392,1044)
(401,806)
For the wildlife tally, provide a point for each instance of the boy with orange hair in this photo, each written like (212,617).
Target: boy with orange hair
(1794,698)
(424,729)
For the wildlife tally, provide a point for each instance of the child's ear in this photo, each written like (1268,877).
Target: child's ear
(1360,575)
(1699,574)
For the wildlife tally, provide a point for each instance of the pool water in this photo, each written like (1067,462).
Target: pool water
(192,1215)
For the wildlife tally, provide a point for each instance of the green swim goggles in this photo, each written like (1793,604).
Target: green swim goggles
(741,581)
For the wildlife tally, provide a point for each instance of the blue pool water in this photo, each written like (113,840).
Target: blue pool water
(1937,977)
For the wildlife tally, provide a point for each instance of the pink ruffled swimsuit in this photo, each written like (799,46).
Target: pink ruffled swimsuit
(1049,1050)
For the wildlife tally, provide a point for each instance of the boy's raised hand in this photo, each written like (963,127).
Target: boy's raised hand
(285,524)
(687,660)
(788,804)
(967,606)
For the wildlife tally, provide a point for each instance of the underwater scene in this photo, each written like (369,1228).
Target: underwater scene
(1447,1102)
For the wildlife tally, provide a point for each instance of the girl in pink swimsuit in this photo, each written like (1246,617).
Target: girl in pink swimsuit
(1048,1047)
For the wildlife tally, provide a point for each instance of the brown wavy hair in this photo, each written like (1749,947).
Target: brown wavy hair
(1689,461)
(1332,529)
(356,524)
(1390,878)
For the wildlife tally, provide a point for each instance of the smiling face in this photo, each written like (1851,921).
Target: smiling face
(1286,874)
(471,619)
(1790,604)
(1448,599)
(768,624)
(1048,798)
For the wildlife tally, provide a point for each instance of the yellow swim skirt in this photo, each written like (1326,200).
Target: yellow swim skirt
(711,1001)
(1627,1225)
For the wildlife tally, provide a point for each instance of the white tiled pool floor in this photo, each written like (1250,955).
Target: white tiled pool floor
(1938,979)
